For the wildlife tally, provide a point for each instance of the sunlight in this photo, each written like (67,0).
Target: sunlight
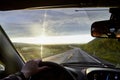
(48,40)
(43,33)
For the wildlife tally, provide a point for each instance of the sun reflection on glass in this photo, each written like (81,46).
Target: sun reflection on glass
(43,32)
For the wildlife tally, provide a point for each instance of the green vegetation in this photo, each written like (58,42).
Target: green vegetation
(32,51)
(107,49)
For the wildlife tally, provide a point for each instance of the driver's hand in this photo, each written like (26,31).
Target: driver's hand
(32,67)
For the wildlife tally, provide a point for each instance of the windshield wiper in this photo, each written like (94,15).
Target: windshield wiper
(88,64)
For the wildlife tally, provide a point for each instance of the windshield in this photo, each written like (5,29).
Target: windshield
(59,35)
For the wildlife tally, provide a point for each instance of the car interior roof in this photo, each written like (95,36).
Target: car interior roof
(23,4)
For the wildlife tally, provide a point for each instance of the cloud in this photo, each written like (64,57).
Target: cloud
(30,23)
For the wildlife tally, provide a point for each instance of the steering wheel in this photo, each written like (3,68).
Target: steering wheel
(54,72)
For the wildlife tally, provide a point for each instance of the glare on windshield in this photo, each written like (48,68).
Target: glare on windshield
(52,26)
(59,35)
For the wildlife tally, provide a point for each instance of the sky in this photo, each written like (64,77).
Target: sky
(54,26)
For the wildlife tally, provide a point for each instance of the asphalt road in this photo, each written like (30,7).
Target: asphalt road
(73,55)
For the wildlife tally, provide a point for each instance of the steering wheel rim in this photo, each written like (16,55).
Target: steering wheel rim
(56,67)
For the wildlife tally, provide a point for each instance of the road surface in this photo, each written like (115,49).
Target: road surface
(73,55)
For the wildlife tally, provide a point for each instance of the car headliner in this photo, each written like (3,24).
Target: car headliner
(23,4)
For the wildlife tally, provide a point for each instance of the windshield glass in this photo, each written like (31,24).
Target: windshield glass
(59,35)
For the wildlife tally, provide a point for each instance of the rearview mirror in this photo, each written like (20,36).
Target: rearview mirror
(105,29)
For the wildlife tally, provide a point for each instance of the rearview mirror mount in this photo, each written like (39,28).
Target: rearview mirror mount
(108,28)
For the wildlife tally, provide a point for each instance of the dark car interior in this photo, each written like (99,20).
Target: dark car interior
(14,58)
(11,62)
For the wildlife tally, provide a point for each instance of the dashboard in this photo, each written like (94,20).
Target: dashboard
(94,72)
(102,74)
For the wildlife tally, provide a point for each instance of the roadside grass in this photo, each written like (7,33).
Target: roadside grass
(106,49)
(31,51)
